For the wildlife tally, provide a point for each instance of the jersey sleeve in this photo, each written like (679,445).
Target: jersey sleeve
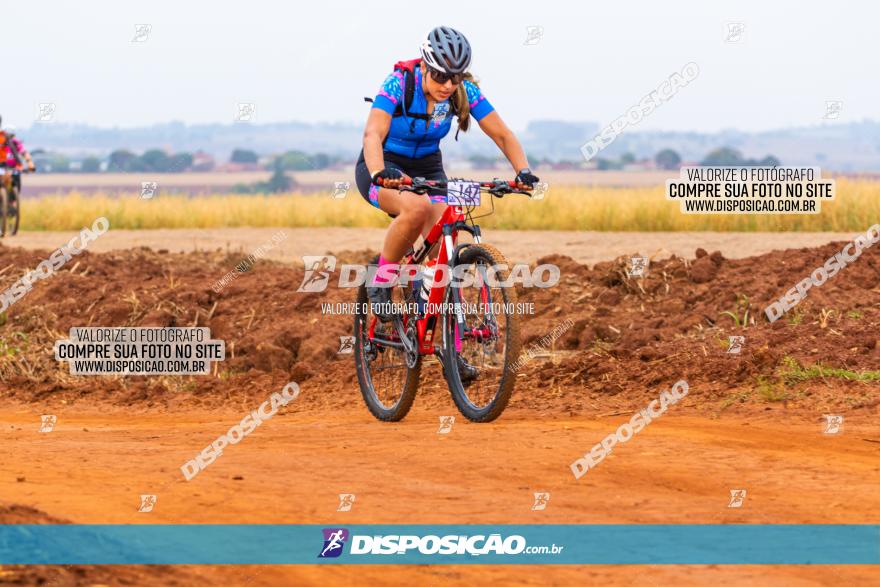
(390,94)
(480,106)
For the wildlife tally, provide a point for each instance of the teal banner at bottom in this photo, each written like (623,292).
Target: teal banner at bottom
(487,544)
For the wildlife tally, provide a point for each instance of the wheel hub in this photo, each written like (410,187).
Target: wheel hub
(412,354)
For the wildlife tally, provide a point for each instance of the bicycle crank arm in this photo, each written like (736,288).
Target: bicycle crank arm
(407,344)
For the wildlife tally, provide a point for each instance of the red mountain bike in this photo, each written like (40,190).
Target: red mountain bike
(469,301)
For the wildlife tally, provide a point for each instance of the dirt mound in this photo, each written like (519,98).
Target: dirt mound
(627,337)
(12,513)
(82,575)
(675,322)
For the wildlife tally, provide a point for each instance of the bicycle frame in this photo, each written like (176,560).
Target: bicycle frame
(446,232)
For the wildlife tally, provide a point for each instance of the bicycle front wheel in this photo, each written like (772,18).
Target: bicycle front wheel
(482,335)
(4,210)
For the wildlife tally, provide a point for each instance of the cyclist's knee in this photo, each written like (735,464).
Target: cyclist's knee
(417,211)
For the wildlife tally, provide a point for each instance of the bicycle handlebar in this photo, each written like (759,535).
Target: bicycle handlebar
(497,187)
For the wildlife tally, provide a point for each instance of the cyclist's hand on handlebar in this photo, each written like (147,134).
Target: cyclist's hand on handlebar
(390,178)
(32,168)
(525,179)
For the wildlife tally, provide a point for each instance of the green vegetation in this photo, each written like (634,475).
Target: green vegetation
(793,372)
(278,183)
(731,157)
(14,345)
(796,317)
(244,156)
(301,161)
(733,398)
(91,165)
(790,372)
(771,391)
(667,159)
(740,314)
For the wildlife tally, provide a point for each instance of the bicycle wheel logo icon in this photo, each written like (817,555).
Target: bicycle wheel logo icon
(317,273)
(334,541)
(541,501)
(142,33)
(737,498)
(346,345)
(735,344)
(833,423)
(735,32)
(148,502)
(346,502)
(47,423)
(534,34)
(446,423)
(340,189)
(245,112)
(45,112)
(638,267)
(149,189)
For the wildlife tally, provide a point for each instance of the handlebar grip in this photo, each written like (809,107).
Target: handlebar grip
(492,184)
(380,181)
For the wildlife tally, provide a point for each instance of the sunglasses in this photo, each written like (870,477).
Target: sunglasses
(442,78)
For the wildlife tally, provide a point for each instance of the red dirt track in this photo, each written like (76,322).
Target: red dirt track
(752,421)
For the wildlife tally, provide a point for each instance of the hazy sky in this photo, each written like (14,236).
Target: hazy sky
(315,61)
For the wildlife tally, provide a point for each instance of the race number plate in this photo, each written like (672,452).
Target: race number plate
(463,193)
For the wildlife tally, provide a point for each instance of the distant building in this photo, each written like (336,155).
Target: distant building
(202,161)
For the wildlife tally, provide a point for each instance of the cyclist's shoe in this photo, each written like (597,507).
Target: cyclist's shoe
(380,302)
(467,372)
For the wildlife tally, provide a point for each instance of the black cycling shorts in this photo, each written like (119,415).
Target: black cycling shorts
(429,167)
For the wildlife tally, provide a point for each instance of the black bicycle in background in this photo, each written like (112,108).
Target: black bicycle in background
(10,199)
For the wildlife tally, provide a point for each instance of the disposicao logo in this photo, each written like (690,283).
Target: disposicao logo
(334,541)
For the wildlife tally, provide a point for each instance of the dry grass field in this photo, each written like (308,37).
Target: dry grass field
(565,207)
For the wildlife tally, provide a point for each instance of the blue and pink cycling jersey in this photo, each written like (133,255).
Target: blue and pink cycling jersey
(411,137)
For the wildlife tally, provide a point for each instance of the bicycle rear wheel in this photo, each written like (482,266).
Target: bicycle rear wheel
(487,336)
(388,378)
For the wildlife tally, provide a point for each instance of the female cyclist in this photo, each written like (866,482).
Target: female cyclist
(411,113)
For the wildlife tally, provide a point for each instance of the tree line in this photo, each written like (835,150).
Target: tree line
(160,161)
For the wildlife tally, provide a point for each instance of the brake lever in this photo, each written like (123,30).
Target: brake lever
(418,186)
